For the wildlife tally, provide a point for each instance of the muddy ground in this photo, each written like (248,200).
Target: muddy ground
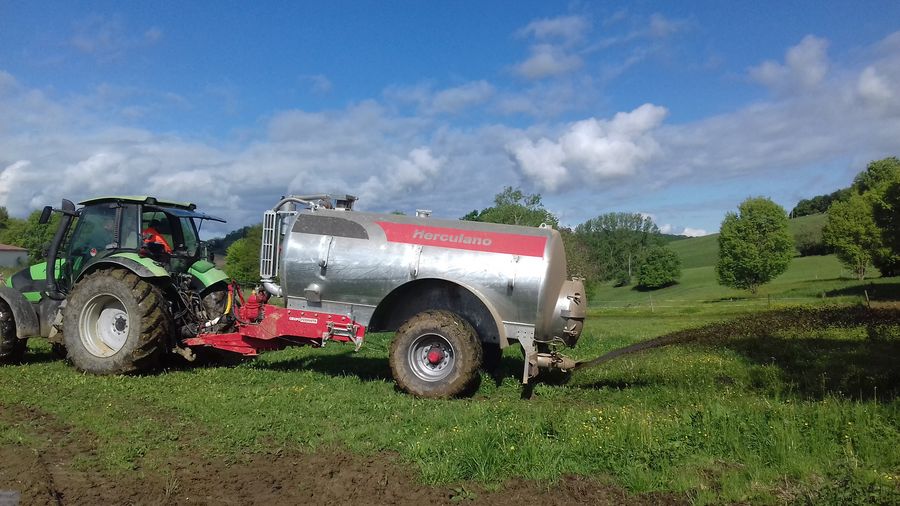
(57,470)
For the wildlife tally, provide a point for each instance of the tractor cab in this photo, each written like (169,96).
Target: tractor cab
(163,232)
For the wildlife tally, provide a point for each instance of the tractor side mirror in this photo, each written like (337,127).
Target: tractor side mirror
(45,215)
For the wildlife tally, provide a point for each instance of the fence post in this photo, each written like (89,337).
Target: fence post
(868,302)
(651,302)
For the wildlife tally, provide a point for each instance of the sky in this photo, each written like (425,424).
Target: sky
(678,110)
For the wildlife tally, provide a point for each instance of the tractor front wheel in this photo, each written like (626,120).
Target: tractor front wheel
(436,354)
(115,323)
(12,349)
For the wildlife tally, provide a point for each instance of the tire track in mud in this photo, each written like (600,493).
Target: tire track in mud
(44,473)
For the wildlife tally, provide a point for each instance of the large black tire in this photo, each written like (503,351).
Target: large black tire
(115,323)
(436,354)
(215,300)
(12,349)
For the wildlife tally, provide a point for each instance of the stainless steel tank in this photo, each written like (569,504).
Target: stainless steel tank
(330,258)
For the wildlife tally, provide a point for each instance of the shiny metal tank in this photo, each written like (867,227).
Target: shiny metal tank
(348,261)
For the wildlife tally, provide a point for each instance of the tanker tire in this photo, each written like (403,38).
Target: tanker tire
(12,349)
(459,345)
(123,297)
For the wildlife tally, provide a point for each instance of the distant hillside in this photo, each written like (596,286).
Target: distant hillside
(703,251)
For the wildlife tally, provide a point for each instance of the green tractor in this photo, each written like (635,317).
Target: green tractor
(131,280)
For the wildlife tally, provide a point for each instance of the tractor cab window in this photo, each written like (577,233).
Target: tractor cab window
(189,232)
(94,233)
(175,235)
(156,228)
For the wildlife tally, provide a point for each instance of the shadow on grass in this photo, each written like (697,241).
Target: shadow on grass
(811,359)
(342,364)
(876,291)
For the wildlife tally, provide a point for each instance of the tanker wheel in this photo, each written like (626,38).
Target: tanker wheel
(436,354)
(115,323)
(12,349)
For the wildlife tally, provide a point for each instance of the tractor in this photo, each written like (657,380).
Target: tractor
(130,280)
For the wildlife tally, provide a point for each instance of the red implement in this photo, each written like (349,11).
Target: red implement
(268,327)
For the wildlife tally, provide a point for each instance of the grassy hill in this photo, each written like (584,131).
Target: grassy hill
(808,279)
(702,251)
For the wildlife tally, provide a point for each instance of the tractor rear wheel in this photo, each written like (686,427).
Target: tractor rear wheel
(115,323)
(436,354)
(12,349)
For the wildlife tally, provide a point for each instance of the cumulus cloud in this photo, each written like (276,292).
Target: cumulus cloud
(591,150)
(805,66)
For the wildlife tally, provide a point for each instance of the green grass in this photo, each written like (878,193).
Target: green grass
(739,417)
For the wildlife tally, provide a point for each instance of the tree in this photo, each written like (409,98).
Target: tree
(30,234)
(877,175)
(513,207)
(887,216)
(619,243)
(754,245)
(662,267)
(578,256)
(819,203)
(852,232)
(242,257)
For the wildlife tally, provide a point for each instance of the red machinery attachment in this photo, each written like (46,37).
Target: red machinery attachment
(262,327)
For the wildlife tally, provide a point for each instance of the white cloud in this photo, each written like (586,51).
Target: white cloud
(591,150)
(805,66)
(872,87)
(694,232)
(547,60)
(454,100)
(568,29)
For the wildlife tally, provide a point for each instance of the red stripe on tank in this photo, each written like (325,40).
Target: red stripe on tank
(472,240)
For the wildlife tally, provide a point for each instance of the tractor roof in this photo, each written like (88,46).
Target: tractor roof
(139,199)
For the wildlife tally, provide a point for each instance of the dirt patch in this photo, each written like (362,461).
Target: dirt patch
(57,469)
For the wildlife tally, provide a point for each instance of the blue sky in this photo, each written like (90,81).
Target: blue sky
(675,109)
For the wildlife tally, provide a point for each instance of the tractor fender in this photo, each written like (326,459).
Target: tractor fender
(24,316)
(143,267)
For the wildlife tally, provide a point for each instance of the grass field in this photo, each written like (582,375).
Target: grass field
(794,411)
(758,405)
